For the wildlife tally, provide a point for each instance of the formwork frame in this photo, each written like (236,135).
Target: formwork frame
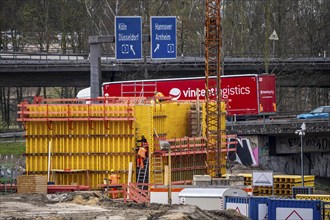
(156,173)
(189,157)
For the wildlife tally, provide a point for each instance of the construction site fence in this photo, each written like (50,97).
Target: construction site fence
(257,208)
(135,192)
(326,211)
(325,205)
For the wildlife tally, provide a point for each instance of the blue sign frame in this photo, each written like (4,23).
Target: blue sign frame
(163,37)
(128,37)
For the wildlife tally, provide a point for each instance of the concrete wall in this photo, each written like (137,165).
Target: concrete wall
(315,163)
(318,142)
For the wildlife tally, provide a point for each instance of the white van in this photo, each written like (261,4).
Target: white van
(84,93)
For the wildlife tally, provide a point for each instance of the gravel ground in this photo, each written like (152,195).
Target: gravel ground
(92,206)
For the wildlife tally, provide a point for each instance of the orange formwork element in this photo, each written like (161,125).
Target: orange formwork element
(188,157)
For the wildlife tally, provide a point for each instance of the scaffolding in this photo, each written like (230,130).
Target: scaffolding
(189,156)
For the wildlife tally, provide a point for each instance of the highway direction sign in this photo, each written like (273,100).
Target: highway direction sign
(128,32)
(163,37)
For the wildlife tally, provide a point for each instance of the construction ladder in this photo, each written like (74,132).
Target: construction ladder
(158,168)
(143,173)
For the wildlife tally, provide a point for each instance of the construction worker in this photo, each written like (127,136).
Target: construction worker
(158,96)
(114,179)
(142,152)
(141,156)
(144,144)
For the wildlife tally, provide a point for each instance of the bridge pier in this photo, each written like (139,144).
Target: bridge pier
(96,76)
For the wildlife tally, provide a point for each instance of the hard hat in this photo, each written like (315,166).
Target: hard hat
(112,170)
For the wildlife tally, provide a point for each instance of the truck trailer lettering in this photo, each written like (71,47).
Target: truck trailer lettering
(248,94)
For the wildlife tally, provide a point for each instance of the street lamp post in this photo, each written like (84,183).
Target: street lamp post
(301,133)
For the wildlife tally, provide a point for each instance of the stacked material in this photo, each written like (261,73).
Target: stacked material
(324,198)
(195,119)
(282,184)
(32,184)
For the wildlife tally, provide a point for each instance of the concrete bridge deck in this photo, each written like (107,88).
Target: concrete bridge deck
(22,69)
(277,127)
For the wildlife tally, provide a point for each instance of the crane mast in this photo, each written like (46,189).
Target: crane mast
(216,160)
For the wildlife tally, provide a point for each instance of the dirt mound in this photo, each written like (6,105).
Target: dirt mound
(229,214)
(159,211)
(81,200)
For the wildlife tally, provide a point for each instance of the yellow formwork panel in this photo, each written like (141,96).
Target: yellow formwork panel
(144,125)
(167,120)
(96,146)
(160,115)
(36,163)
(83,178)
(223,116)
(177,119)
(77,110)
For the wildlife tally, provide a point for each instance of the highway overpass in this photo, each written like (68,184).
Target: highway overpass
(49,70)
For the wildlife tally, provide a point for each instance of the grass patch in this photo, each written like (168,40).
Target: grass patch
(15,148)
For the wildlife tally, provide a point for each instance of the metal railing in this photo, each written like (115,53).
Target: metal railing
(111,56)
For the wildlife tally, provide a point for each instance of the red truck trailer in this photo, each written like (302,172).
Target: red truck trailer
(249,94)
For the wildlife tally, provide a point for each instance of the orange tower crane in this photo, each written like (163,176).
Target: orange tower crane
(213,42)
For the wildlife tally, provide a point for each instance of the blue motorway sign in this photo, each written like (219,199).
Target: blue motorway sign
(163,37)
(128,32)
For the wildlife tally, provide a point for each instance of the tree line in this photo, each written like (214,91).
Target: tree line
(63,26)
(303,26)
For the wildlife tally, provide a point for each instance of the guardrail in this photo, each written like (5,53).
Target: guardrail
(11,137)
(235,57)
(37,51)
(278,120)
